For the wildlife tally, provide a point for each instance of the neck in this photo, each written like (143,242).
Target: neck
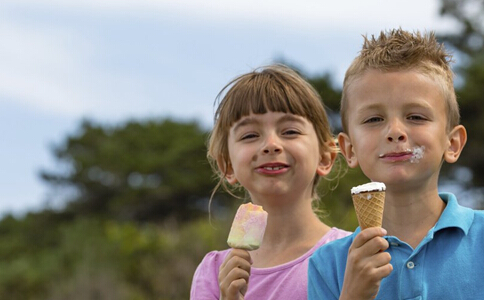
(291,231)
(410,215)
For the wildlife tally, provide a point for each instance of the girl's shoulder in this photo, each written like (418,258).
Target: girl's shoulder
(205,278)
(214,259)
(334,234)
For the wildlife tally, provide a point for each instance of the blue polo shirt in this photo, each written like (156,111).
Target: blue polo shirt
(447,264)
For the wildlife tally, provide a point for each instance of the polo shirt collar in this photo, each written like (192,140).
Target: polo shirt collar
(454,215)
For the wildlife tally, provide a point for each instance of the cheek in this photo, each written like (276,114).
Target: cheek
(364,146)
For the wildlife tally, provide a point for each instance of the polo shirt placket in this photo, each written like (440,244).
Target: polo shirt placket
(409,264)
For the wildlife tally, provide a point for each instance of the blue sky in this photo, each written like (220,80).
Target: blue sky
(110,61)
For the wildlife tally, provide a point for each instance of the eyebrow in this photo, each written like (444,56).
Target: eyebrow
(423,104)
(290,118)
(244,122)
(252,120)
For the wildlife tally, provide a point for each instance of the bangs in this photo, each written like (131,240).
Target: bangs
(263,92)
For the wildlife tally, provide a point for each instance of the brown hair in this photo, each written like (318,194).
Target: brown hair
(274,88)
(399,50)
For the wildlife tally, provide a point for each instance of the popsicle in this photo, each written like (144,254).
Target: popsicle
(369,200)
(248,228)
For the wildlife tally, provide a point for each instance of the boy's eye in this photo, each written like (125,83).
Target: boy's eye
(373,120)
(416,117)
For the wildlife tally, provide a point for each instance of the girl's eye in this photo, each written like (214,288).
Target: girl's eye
(248,136)
(291,132)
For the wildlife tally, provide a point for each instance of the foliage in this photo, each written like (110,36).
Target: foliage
(472,111)
(147,170)
(469,42)
(100,259)
(469,15)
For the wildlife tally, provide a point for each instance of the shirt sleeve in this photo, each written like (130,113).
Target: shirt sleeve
(205,279)
(317,283)
(326,269)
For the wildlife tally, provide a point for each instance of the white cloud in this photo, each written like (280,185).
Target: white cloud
(344,14)
(35,66)
(51,70)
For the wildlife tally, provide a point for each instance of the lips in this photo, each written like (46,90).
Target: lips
(272,168)
(396,156)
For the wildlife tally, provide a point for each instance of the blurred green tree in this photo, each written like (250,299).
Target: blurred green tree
(469,16)
(468,40)
(144,171)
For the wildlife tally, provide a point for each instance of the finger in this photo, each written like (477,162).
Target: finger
(235,282)
(376,266)
(383,271)
(235,266)
(381,259)
(367,234)
(235,263)
(375,245)
(370,256)
(236,288)
(244,254)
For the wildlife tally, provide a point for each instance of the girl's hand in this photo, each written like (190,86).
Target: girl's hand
(367,265)
(233,276)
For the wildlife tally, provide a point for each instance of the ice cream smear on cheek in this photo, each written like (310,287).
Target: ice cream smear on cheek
(417,154)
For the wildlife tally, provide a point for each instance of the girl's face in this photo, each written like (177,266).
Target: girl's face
(275,154)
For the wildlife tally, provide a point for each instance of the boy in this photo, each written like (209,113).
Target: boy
(400,123)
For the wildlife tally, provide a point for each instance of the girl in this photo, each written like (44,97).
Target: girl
(272,137)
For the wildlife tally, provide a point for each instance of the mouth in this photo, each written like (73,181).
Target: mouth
(272,168)
(396,154)
(413,155)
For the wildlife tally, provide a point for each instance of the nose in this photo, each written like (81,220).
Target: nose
(272,145)
(396,132)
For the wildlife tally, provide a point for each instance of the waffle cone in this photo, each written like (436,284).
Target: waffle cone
(369,208)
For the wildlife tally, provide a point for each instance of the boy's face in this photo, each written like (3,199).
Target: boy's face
(397,129)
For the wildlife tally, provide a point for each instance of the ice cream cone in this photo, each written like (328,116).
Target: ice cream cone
(369,203)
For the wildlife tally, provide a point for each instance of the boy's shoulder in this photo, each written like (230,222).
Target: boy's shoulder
(479,218)
(479,213)
(464,214)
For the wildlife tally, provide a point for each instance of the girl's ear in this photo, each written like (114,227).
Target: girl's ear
(457,141)
(347,150)
(327,160)
(225,168)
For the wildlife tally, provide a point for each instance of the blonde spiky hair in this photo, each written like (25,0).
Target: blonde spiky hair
(400,50)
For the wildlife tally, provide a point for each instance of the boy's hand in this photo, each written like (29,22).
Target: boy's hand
(367,265)
(233,276)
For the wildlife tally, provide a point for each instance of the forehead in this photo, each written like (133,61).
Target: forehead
(375,88)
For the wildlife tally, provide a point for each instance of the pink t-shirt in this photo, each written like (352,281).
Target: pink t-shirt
(286,281)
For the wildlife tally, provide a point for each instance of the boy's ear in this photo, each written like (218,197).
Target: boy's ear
(457,141)
(327,160)
(227,170)
(347,150)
